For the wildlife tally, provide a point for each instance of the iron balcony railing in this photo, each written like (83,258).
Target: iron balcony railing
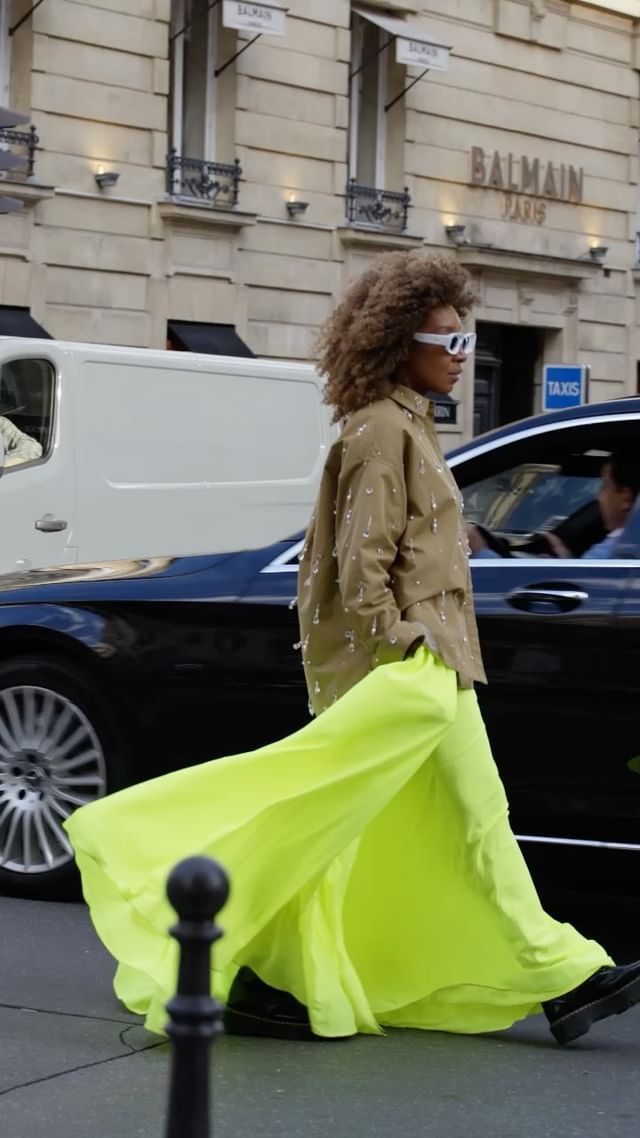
(215,183)
(24,142)
(387,210)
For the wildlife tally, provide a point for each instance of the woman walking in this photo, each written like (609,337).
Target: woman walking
(375,878)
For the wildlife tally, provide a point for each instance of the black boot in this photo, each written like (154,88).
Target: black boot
(610,991)
(256,1009)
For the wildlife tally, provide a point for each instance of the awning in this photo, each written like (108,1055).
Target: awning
(20,322)
(414,45)
(212,339)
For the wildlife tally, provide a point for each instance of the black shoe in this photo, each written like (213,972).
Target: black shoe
(256,1009)
(610,991)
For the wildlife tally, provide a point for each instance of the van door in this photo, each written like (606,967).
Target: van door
(36,484)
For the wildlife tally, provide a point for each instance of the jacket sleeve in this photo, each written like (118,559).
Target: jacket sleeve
(18,446)
(370,519)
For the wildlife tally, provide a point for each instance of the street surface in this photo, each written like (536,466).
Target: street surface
(75,1064)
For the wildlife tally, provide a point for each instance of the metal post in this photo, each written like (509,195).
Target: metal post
(197,888)
(31,147)
(173,172)
(351,201)
(406,202)
(403,93)
(237,174)
(218,71)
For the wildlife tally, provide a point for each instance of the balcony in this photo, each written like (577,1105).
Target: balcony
(24,143)
(384,210)
(208,183)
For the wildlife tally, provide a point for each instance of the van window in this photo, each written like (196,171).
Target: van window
(26,410)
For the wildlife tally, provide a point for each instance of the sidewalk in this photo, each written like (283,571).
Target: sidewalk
(76,1065)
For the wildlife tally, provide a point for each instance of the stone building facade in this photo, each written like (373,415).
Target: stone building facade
(264,156)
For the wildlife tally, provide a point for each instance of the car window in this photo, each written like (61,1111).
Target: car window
(26,411)
(529,497)
(628,544)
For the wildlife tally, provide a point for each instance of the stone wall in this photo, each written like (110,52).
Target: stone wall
(545,79)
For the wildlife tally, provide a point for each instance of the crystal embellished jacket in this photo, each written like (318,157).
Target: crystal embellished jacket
(385,565)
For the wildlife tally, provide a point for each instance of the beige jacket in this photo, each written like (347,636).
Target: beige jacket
(385,564)
(18,447)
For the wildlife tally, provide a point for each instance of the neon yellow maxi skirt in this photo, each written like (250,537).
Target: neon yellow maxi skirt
(373,871)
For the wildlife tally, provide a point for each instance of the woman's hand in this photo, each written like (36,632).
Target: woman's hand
(475,538)
(558,548)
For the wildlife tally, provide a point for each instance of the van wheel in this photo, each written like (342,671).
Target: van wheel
(58,751)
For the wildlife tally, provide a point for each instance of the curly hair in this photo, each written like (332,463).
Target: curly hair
(367,337)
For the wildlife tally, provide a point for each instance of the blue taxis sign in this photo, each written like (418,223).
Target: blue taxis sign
(564,386)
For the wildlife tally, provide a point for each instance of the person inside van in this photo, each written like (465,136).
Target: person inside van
(618,491)
(18,447)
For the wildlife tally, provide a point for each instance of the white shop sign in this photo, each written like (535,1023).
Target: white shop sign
(421,54)
(265,19)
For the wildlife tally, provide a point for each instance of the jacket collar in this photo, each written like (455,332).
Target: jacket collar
(417,404)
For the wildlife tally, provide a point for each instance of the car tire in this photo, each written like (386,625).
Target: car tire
(59,748)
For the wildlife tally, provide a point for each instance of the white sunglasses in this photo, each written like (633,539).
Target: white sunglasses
(454,343)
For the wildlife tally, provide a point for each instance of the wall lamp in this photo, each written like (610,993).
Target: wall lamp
(598,253)
(296,208)
(106,178)
(457,234)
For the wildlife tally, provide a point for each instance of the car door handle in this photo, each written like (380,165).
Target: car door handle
(49,524)
(551,600)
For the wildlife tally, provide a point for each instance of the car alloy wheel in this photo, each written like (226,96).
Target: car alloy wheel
(51,762)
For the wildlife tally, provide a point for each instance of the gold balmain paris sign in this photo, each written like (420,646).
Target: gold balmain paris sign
(526,183)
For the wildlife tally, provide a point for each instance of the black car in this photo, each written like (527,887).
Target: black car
(116,672)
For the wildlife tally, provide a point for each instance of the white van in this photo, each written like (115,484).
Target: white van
(134,453)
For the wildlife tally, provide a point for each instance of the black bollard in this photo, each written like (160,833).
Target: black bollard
(197,888)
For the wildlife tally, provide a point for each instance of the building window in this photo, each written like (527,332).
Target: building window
(375,194)
(202,105)
(368,100)
(194,40)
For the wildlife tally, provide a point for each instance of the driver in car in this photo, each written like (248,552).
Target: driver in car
(18,447)
(618,492)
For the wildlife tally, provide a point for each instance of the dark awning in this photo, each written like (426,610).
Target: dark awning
(212,339)
(20,322)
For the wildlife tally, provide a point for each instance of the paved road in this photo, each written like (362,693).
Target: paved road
(74,1064)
